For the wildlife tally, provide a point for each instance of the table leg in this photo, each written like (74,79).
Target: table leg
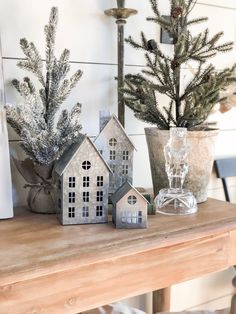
(233,300)
(161,300)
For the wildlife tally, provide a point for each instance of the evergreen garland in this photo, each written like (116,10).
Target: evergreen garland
(44,137)
(163,72)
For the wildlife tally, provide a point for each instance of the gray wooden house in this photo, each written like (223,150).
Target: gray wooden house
(117,149)
(82,178)
(129,208)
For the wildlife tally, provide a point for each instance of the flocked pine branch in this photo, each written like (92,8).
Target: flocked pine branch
(44,137)
(189,105)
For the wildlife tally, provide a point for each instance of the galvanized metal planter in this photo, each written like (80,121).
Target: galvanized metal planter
(200,160)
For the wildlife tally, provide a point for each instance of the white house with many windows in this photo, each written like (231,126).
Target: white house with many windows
(117,149)
(129,208)
(82,178)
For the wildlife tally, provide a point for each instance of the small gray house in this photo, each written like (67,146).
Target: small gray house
(82,178)
(129,208)
(117,149)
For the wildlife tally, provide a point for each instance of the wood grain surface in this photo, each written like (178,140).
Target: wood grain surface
(49,268)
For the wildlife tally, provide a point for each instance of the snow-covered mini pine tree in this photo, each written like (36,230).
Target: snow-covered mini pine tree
(44,136)
(45,131)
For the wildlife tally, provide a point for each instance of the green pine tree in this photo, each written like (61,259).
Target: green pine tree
(44,137)
(162,74)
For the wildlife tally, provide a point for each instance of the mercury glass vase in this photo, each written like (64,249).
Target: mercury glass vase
(175,200)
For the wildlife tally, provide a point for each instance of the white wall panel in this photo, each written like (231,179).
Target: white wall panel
(214,13)
(224,3)
(226,120)
(92,33)
(142,173)
(216,183)
(218,23)
(137,24)
(226,143)
(83,28)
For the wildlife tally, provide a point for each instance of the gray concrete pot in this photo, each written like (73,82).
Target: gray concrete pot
(201,158)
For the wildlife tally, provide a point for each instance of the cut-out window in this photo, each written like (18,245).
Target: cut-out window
(125,169)
(59,184)
(131,217)
(71,197)
(125,155)
(86,182)
(99,180)
(85,211)
(71,182)
(112,142)
(86,164)
(100,151)
(124,216)
(86,196)
(99,211)
(59,203)
(132,199)
(112,155)
(71,212)
(140,214)
(99,196)
(113,168)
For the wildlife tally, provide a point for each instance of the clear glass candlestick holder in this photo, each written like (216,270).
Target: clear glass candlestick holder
(175,200)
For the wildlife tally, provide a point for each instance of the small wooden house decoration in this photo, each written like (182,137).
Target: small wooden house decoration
(117,149)
(82,178)
(129,208)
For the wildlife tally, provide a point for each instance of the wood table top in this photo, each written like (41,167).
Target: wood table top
(33,245)
(53,269)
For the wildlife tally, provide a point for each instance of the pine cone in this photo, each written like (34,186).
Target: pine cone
(206,78)
(151,45)
(140,95)
(174,64)
(176,12)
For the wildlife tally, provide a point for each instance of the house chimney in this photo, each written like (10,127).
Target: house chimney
(104,117)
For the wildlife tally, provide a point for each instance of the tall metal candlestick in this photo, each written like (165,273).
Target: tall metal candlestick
(120,14)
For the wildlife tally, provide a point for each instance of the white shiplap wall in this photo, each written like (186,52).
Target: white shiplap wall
(91,37)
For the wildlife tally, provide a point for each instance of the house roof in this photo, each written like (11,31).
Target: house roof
(66,158)
(115,119)
(122,191)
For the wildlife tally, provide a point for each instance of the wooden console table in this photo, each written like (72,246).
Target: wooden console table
(50,269)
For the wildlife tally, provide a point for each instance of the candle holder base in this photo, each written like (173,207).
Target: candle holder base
(175,202)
